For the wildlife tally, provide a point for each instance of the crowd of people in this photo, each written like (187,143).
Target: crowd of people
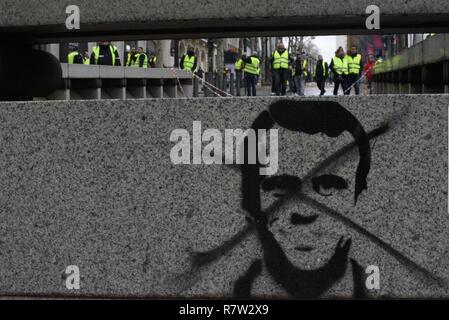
(291,71)
(346,70)
(105,53)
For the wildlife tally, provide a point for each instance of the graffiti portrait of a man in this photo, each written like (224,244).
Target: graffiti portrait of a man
(302,215)
(262,195)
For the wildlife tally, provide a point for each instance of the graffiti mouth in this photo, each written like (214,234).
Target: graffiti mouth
(304,248)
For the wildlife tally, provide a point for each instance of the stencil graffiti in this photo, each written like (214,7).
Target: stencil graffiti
(309,118)
(306,118)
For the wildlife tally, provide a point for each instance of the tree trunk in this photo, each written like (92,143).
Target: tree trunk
(162,53)
(241,45)
(220,61)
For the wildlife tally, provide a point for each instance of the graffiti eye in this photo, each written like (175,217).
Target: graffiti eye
(328,182)
(284,182)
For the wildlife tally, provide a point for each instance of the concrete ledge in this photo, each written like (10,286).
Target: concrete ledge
(91,184)
(189,17)
(112,72)
(83,71)
(432,50)
(79,71)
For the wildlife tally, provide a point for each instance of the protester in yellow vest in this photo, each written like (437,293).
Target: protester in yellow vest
(252,71)
(280,61)
(355,69)
(105,54)
(189,60)
(152,60)
(239,66)
(141,59)
(86,58)
(339,68)
(74,57)
(130,58)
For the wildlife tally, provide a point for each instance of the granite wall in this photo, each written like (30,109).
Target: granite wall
(91,184)
(221,18)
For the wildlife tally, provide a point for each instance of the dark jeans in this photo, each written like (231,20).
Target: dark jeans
(280,80)
(321,83)
(238,82)
(251,82)
(343,81)
(292,84)
(353,78)
(300,85)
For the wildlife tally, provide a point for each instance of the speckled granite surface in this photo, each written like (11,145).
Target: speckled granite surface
(90,183)
(38,13)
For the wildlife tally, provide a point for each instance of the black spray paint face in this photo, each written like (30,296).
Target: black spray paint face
(308,236)
(306,118)
(309,119)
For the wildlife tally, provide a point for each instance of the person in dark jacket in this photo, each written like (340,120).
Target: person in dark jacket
(321,74)
(105,54)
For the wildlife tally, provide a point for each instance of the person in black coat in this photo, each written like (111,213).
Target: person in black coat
(321,74)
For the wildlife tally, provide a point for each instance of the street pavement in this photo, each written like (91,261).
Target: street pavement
(311,90)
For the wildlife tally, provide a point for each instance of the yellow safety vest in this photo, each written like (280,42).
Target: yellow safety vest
(136,63)
(153,60)
(324,69)
(280,60)
(239,65)
(189,62)
(340,65)
(86,61)
(96,51)
(305,64)
(354,63)
(71,57)
(128,60)
(253,67)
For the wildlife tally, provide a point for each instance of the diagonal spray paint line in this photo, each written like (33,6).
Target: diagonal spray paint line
(381,130)
(407,262)
(201,259)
